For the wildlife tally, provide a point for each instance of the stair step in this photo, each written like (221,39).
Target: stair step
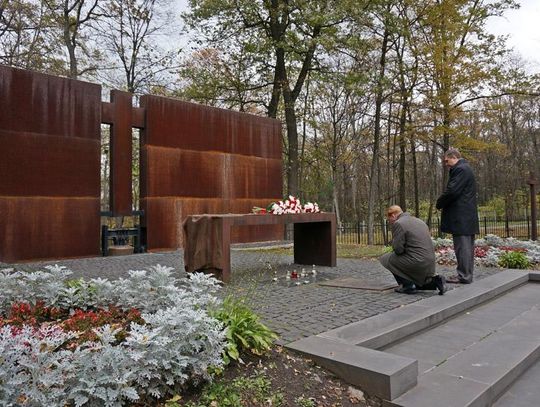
(386,375)
(481,373)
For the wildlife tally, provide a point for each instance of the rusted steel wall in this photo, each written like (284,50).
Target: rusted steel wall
(198,159)
(49,166)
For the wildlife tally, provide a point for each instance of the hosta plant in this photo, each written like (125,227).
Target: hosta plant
(514,260)
(245,332)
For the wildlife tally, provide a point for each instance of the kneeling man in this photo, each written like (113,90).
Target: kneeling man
(413,260)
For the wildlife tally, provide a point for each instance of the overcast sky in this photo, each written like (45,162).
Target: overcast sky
(523,27)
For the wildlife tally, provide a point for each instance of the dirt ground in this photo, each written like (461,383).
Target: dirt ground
(298,381)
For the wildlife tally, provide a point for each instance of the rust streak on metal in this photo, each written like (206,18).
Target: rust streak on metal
(138,117)
(121,153)
(107,113)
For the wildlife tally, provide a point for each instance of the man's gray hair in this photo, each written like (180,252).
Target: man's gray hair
(452,153)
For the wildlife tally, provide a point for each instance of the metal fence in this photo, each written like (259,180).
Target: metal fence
(356,232)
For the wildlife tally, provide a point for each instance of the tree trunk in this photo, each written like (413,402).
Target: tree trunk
(402,150)
(415,178)
(292,141)
(374,170)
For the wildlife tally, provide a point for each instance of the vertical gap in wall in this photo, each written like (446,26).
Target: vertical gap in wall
(105,171)
(135,168)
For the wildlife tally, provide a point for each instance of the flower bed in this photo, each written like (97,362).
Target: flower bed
(104,343)
(489,251)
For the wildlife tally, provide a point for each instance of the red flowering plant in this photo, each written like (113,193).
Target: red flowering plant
(81,322)
(22,313)
(481,251)
(84,322)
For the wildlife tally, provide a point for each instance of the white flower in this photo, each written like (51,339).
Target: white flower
(293,205)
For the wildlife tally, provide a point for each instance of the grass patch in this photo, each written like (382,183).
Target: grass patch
(356,251)
(253,390)
(346,251)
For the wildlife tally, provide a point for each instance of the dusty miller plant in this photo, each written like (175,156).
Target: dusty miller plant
(32,368)
(178,342)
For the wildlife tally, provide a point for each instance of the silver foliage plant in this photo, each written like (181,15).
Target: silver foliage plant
(178,342)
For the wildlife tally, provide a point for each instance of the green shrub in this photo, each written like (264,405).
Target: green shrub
(304,402)
(514,260)
(245,333)
(253,390)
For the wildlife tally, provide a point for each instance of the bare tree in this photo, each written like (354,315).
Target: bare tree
(130,33)
(71,18)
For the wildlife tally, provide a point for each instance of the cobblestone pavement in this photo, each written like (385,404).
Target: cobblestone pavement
(293,311)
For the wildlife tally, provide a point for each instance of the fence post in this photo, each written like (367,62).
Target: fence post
(507,226)
(532,184)
(358,231)
(485,226)
(104,240)
(528,228)
(363,228)
(384,230)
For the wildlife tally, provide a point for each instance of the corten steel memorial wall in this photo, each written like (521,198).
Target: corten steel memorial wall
(194,159)
(49,166)
(206,160)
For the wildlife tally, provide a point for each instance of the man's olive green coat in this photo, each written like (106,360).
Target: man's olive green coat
(413,257)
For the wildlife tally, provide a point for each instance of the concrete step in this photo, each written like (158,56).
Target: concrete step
(384,329)
(434,346)
(524,392)
(480,374)
(385,375)
(361,352)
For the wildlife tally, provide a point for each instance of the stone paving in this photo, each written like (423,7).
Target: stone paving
(293,311)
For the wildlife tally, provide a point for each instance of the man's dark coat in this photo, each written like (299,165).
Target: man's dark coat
(458,202)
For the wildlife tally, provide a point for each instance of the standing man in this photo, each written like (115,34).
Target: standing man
(413,260)
(460,214)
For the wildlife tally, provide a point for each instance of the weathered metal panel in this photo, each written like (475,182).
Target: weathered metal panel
(121,154)
(185,173)
(160,222)
(226,176)
(200,159)
(50,166)
(165,217)
(255,177)
(33,228)
(32,164)
(178,124)
(37,103)
(253,233)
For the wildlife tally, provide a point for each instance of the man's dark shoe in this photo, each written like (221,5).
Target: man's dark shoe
(456,280)
(440,283)
(408,289)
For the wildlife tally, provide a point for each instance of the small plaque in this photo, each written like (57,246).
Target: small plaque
(353,282)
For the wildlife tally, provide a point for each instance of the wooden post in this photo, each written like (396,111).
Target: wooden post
(532,181)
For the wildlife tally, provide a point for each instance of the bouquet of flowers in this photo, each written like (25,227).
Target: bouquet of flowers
(311,207)
(292,205)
